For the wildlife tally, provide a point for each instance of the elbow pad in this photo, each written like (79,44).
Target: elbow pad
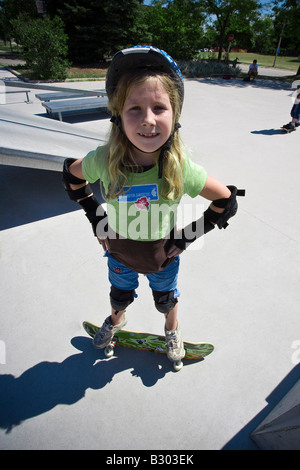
(68,178)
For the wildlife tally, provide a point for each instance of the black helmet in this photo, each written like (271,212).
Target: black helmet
(142,57)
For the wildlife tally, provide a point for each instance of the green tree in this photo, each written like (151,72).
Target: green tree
(176,26)
(11,9)
(226,12)
(264,40)
(97,28)
(242,27)
(287,25)
(45,46)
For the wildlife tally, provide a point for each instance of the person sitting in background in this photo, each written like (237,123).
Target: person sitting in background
(253,70)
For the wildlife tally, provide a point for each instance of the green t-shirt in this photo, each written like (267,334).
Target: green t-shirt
(141,213)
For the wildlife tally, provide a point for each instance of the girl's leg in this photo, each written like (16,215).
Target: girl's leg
(174,343)
(162,283)
(116,316)
(165,294)
(123,281)
(171,319)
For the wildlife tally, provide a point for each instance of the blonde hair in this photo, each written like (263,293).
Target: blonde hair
(120,157)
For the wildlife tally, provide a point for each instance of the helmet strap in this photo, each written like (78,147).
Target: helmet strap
(165,148)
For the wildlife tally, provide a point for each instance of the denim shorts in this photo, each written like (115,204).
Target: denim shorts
(295,112)
(125,278)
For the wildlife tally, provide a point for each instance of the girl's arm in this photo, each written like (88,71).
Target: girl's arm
(79,190)
(76,170)
(213,190)
(223,207)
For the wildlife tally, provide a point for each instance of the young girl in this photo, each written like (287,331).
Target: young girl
(145,171)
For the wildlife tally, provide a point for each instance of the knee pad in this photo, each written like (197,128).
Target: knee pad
(164,301)
(120,299)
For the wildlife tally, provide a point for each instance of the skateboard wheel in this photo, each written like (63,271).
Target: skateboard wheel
(178,365)
(109,351)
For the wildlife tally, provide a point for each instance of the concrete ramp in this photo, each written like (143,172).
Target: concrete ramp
(25,159)
(280,430)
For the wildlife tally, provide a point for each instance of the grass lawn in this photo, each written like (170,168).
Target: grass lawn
(88,72)
(74,73)
(6,48)
(288,63)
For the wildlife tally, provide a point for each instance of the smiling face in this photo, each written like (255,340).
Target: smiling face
(147,119)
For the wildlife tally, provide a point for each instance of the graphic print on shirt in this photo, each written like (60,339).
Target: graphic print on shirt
(141,195)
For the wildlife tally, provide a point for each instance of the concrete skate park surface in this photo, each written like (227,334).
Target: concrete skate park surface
(239,287)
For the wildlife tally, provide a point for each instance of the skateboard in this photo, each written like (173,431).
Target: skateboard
(150,342)
(287,130)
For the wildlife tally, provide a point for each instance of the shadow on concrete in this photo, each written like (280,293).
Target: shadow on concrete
(240,83)
(269,132)
(79,116)
(48,384)
(28,195)
(242,439)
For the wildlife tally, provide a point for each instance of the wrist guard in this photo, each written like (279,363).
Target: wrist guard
(229,205)
(206,223)
(95,213)
(191,232)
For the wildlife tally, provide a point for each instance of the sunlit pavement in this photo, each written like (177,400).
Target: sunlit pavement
(239,287)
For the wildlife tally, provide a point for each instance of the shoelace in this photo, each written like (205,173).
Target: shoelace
(105,330)
(172,340)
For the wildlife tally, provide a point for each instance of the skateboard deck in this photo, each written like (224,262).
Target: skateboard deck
(287,130)
(152,342)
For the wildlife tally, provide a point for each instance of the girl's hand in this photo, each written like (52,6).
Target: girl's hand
(103,242)
(174,251)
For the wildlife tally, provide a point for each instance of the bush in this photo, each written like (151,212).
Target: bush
(44,46)
(205,68)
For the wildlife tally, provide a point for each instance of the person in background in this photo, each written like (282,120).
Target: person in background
(253,70)
(295,113)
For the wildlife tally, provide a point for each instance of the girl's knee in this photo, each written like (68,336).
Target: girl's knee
(120,299)
(164,301)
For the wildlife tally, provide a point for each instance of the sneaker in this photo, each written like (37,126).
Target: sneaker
(288,126)
(174,344)
(297,124)
(107,331)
